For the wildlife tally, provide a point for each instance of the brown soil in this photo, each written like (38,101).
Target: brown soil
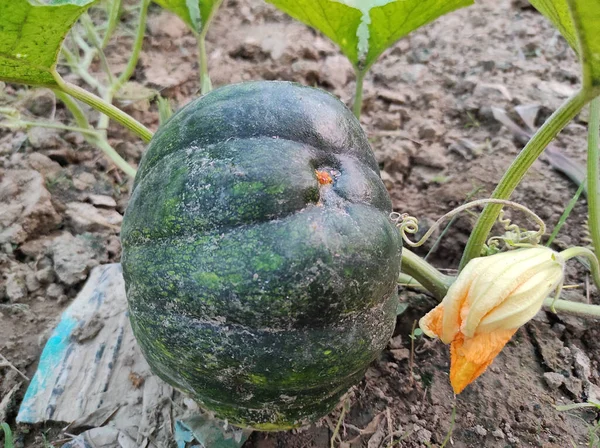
(428,112)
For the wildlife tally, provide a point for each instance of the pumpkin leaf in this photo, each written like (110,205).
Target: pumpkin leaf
(557,11)
(31,37)
(195,13)
(366,28)
(579,23)
(586,17)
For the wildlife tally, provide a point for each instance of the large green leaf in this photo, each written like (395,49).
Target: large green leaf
(586,16)
(31,37)
(579,23)
(195,13)
(365,28)
(557,11)
(398,18)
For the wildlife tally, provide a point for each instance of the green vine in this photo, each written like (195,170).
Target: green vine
(515,173)
(593,174)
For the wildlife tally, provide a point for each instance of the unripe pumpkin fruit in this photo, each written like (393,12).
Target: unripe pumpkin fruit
(259,259)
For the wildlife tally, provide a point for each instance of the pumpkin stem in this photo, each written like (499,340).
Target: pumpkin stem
(323,177)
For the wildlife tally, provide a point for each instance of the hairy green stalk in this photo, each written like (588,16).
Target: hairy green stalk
(113,20)
(428,276)
(584,252)
(517,170)
(94,38)
(106,108)
(137,46)
(94,137)
(593,173)
(205,82)
(358,94)
(116,84)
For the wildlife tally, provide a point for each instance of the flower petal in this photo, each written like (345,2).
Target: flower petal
(524,302)
(431,323)
(456,301)
(471,356)
(509,271)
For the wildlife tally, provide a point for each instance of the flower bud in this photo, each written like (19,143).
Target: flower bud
(491,298)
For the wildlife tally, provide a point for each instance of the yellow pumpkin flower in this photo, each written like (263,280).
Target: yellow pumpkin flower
(491,298)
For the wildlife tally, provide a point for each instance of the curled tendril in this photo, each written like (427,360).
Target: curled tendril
(514,237)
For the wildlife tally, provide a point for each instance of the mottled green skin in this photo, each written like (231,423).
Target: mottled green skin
(252,287)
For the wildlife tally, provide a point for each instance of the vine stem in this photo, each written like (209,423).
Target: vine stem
(113,18)
(517,170)
(358,95)
(94,137)
(437,284)
(106,108)
(572,252)
(593,174)
(116,84)
(428,276)
(205,83)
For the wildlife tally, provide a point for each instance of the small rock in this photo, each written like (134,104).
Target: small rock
(16,288)
(129,150)
(480,430)
(492,92)
(168,25)
(44,138)
(576,325)
(388,122)
(396,342)
(582,364)
(43,164)
(55,291)
(40,102)
(31,281)
(44,262)
(574,385)
(395,96)
(45,275)
(593,392)
(113,246)
(413,73)
(34,248)
(85,217)
(423,435)
(84,181)
(429,131)
(400,354)
(336,71)
(498,434)
(64,156)
(100,200)
(554,380)
(26,206)
(73,258)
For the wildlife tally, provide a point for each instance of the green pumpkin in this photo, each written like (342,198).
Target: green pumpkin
(259,258)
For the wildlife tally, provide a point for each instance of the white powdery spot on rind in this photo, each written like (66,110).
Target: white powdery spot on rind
(362,32)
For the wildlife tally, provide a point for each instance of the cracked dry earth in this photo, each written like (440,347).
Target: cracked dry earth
(429,104)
